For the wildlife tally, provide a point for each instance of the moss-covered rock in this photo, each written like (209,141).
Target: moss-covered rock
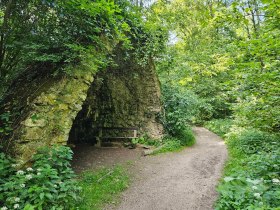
(49,116)
(125,95)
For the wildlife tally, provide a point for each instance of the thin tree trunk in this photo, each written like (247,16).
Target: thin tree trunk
(3,34)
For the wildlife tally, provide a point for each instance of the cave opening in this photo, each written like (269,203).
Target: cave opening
(123,101)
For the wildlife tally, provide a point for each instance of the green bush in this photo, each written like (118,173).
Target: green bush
(255,186)
(253,172)
(148,141)
(48,184)
(180,105)
(170,144)
(245,193)
(185,136)
(219,126)
(253,141)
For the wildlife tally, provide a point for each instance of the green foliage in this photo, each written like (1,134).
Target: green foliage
(48,184)
(225,52)
(182,138)
(252,174)
(219,126)
(57,32)
(5,124)
(180,106)
(245,193)
(101,187)
(185,136)
(148,141)
(253,141)
(63,34)
(170,144)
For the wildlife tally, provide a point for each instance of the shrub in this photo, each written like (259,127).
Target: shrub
(146,140)
(253,172)
(184,135)
(245,193)
(253,141)
(219,126)
(48,184)
(255,186)
(180,105)
(170,144)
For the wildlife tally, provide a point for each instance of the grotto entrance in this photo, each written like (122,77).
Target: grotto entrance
(122,103)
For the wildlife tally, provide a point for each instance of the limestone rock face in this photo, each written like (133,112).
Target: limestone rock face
(126,95)
(48,118)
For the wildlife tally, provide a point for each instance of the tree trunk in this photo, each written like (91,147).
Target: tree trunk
(3,34)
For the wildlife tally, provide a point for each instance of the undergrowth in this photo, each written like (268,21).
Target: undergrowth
(252,174)
(180,140)
(219,126)
(51,183)
(170,143)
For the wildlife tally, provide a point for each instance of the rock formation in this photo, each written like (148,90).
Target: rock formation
(49,107)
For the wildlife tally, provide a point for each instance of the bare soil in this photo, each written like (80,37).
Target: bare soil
(88,157)
(183,180)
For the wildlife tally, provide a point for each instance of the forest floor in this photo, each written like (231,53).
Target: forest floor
(171,181)
(87,157)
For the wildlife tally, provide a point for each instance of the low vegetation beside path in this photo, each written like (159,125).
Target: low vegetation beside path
(252,174)
(170,143)
(51,184)
(102,187)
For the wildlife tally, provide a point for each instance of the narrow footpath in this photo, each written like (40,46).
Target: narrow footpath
(183,180)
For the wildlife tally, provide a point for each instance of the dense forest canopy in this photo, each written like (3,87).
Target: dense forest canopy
(227,53)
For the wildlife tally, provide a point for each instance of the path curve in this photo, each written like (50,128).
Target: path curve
(178,181)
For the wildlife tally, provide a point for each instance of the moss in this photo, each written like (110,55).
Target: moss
(54,110)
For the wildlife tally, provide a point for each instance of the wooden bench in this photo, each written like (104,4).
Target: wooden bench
(102,129)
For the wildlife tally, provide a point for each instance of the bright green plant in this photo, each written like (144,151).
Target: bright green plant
(219,126)
(148,141)
(252,174)
(245,193)
(170,144)
(253,141)
(180,106)
(48,184)
(185,136)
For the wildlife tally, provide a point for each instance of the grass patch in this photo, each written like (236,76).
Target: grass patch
(102,187)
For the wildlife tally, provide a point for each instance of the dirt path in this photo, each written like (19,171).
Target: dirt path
(178,181)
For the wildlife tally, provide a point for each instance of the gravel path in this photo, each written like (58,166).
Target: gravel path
(178,181)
